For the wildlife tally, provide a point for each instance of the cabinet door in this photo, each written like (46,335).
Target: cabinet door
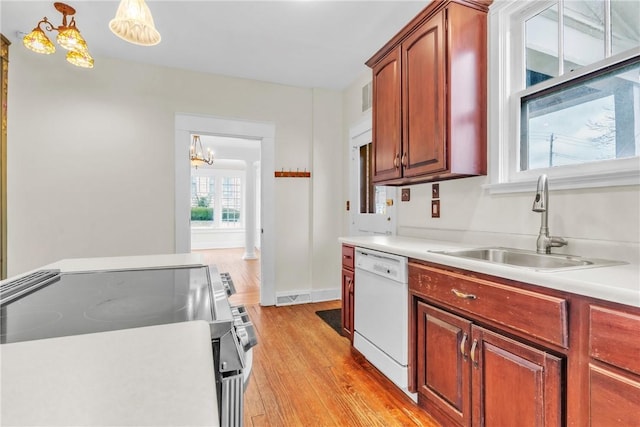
(513,384)
(423,97)
(614,400)
(387,125)
(443,370)
(347,303)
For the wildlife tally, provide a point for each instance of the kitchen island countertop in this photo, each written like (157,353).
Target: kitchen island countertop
(618,283)
(152,376)
(155,375)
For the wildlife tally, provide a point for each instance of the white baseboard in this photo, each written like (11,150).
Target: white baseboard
(307,296)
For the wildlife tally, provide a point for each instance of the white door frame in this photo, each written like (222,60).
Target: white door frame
(185,124)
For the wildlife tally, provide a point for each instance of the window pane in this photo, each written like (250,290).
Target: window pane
(625,31)
(541,34)
(366,179)
(202,201)
(381,200)
(231,202)
(583,33)
(597,118)
(373,198)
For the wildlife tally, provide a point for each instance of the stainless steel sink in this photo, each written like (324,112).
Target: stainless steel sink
(530,259)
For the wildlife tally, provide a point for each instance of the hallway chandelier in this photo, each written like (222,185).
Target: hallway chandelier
(133,22)
(197,153)
(68,37)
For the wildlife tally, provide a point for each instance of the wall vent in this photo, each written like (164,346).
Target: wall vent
(366,96)
(294,298)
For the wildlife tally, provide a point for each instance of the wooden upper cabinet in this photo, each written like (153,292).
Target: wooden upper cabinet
(387,125)
(429,96)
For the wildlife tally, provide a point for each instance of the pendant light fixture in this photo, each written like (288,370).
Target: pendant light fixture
(134,23)
(196,154)
(68,37)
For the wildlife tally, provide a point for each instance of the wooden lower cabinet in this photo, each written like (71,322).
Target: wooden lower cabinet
(348,287)
(443,369)
(614,399)
(347,303)
(513,384)
(476,377)
(614,368)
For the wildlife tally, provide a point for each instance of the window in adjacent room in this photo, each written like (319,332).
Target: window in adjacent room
(216,200)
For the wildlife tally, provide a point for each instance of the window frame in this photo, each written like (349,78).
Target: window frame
(219,174)
(506,78)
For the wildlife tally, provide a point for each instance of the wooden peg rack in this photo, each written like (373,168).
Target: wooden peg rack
(292,174)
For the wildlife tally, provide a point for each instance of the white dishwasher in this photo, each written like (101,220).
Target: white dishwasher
(381,309)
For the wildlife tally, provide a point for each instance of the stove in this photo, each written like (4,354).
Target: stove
(49,304)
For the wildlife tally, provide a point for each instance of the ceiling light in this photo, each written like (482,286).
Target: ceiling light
(68,37)
(80,58)
(197,153)
(134,23)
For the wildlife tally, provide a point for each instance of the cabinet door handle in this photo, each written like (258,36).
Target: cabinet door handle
(396,161)
(404,159)
(462,345)
(473,350)
(346,256)
(463,295)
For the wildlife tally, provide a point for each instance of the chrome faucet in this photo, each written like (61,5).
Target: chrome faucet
(541,204)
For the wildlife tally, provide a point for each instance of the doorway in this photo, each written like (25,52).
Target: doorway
(224,196)
(187,125)
(373,207)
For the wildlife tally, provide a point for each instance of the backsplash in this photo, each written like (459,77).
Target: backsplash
(597,222)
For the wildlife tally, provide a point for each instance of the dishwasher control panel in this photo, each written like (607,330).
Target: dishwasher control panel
(390,266)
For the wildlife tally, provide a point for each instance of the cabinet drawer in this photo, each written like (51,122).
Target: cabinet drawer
(613,338)
(535,314)
(347,256)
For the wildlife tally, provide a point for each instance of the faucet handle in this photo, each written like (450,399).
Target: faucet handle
(557,242)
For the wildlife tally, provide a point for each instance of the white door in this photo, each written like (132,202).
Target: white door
(376,214)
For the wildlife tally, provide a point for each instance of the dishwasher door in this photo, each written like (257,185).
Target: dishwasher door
(381,312)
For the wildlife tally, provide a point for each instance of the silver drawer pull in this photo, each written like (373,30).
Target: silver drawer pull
(463,295)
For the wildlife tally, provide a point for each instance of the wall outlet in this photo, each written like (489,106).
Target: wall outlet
(435,209)
(435,191)
(406,194)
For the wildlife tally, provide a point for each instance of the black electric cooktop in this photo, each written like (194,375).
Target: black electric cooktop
(87,302)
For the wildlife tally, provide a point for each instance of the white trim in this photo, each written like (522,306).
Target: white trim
(185,124)
(331,294)
(504,115)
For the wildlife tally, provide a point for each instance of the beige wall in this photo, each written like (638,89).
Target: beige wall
(91,161)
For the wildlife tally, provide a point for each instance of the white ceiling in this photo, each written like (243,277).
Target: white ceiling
(306,43)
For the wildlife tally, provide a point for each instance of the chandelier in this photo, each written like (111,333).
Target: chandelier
(197,153)
(68,37)
(134,23)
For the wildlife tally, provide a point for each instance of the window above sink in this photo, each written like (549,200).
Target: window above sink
(565,94)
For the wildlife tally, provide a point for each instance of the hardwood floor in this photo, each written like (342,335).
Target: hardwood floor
(245,273)
(305,374)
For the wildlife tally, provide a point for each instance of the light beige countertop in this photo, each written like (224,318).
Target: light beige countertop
(118,263)
(152,376)
(126,262)
(157,375)
(618,283)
